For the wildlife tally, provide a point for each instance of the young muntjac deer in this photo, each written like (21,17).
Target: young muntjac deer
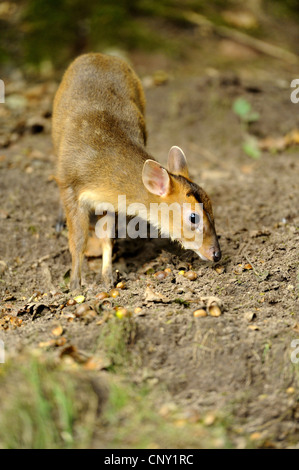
(99,137)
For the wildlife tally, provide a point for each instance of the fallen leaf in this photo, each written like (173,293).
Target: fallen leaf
(247,266)
(292,137)
(273,143)
(220,269)
(259,233)
(151,296)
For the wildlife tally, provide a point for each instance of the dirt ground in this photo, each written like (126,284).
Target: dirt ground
(238,364)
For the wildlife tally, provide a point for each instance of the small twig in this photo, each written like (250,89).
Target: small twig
(242,38)
(46,257)
(261,274)
(46,273)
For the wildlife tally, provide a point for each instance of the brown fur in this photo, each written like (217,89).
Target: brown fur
(99,137)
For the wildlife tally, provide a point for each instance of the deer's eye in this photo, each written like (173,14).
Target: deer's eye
(194,218)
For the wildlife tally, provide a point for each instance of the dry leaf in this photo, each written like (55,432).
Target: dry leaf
(273,143)
(151,296)
(209,419)
(53,342)
(247,266)
(292,137)
(220,269)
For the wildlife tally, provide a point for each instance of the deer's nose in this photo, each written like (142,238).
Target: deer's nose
(217,256)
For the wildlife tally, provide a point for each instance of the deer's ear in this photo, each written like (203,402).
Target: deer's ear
(177,163)
(155,178)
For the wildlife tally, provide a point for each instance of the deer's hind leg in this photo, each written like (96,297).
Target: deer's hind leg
(77,218)
(105,231)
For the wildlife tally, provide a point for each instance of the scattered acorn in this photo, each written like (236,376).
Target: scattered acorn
(114,293)
(191,275)
(200,313)
(102,295)
(122,312)
(214,311)
(238,269)
(121,285)
(160,275)
(71,302)
(82,309)
(106,305)
(219,269)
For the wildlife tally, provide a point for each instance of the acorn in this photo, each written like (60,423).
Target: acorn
(81,309)
(121,285)
(122,312)
(214,311)
(114,293)
(102,295)
(160,275)
(200,313)
(191,275)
